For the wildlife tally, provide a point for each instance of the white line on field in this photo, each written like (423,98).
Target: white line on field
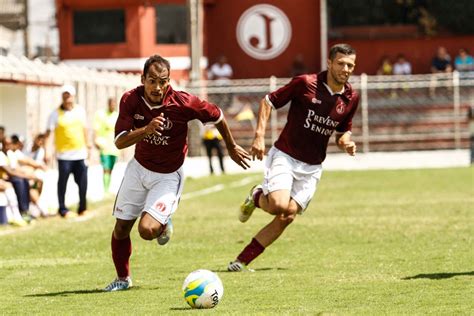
(186,196)
(217,188)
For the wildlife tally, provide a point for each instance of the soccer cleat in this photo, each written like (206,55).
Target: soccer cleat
(165,234)
(119,285)
(247,208)
(237,266)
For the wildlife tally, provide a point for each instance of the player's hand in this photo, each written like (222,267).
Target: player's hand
(350,148)
(239,156)
(258,148)
(156,125)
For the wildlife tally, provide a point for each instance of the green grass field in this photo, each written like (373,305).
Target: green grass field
(371,243)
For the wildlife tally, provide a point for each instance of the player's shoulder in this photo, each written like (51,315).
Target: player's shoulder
(306,78)
(132,96)
(350,92)
(183,98)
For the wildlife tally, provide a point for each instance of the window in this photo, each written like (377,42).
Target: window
(171,24)
(100,26)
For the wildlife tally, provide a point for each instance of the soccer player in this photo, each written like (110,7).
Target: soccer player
(320,104)
(155,118)
(104,122)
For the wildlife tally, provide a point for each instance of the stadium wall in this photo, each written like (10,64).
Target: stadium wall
(419,51)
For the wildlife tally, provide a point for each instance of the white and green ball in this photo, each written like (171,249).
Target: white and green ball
(202,289)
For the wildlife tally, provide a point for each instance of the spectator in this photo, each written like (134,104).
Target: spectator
(298,67)
(464,61)
(17,176)
(212,140)
(18,158)
(442,61)
(222,72)
(38,152)
(2,134)
(104,125)
(9,204)
(386,67)
(402,66)
(68,123)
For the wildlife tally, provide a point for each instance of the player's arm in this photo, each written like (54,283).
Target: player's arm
(236,153)
(258,145)
(128,138)
(344,142)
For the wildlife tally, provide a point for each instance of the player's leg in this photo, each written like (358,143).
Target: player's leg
(162,201)
(278,180)
(121,251)
(127,208)
(264,238)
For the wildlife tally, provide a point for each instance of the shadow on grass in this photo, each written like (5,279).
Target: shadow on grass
(76,292)
(182,309)
(256,270)
(438,276)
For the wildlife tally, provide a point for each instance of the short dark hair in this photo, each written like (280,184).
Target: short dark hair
(155,59)
(342,48)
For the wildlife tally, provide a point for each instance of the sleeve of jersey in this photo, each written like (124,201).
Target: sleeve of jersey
(346,125)
(285,94)
(125,119)
(207,113)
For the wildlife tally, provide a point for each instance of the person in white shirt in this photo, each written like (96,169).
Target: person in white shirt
(222,73)
(401,66)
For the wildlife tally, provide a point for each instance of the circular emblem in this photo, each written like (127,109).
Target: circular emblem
(167,125)
(263,31)
(160,206)
(340,108)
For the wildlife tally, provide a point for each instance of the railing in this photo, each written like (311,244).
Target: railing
(415,112)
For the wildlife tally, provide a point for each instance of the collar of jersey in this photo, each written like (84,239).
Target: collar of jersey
(333,93)
(152,107)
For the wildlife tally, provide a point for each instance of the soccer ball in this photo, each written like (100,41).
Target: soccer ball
(202,289)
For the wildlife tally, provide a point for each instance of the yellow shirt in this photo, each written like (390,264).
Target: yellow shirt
(69,129)
(104,128)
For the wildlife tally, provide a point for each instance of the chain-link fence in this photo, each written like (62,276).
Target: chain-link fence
(396,113)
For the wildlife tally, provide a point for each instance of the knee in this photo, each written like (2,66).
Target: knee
(121,231)
(147,232)
(278,208)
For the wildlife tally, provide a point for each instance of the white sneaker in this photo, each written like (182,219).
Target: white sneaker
(165,234)
(119,285)
(248,206)
(237,266)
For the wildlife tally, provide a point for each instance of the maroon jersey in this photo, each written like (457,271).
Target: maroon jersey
(313,116)
(163,153)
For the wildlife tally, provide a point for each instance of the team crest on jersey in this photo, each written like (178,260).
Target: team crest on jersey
(167,125)
(138,117)
(160,206)
(340,108)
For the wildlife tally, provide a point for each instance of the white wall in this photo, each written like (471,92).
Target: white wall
(13,109)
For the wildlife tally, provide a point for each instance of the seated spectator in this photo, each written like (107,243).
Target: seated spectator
(441,62)
(19,177)
(298,66)
(9,205)
(464,61)
(386,67)
(402,66)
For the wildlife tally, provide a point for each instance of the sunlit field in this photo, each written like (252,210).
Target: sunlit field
(371,243)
